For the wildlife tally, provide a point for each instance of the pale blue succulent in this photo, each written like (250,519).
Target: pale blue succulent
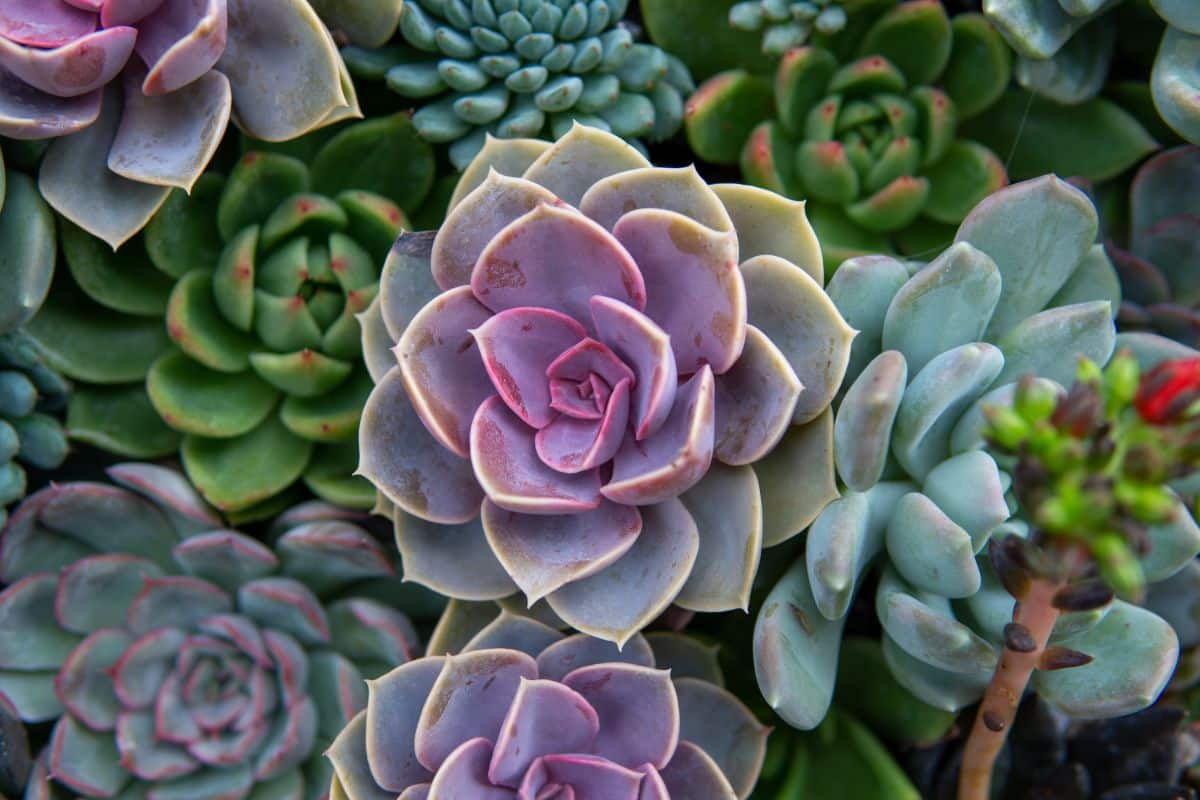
(787,23)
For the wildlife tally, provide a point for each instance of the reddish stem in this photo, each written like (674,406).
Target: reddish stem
(1037,614)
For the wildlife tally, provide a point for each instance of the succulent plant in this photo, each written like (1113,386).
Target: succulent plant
(366,23)
(787,24)
(1158,258)
(1023,290)
(608,386)
(178,658)
(139,94)
(235,314)
(871,142)
(516,709)
(527,68)
(1065,47)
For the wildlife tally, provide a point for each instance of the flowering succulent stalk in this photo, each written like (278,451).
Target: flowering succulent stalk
(785,24)
(1091,472)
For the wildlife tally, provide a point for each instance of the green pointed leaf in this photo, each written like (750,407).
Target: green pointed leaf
(27,258)
(980,65)
(121,420)
(801,82)
(915,37)
(233,280)
(183,235)
(384,156)
(331,416)
(843,758)
(966,174)
(194,399)
(375,221)
(307,213)
(305,373)
(331,477)
(724,111)
(234,474)
(257,185)
(123,281)
(196,324)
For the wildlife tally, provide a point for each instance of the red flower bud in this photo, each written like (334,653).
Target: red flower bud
(1168,390)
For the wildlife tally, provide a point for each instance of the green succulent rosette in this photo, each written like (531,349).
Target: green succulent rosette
(870,140)
(227,331)
(526,69)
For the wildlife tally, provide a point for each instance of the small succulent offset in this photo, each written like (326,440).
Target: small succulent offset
(1091,472)
(139,94)
(1065,48)
(177,658)
(1158,260)
(871,142)
(1024,290)
(528,68)
(608,388)
(787,23)
(237,309)
(522,711)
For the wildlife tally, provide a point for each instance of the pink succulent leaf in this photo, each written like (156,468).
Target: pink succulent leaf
(418,791)
(44,23)
(349,759)
(624,597)
(454,560)
(172,722)
(646,349)
(718,723)
(26,113)
(464,774)
(514,632)
(141,671)
(168,139)
(144,755)
(727,505)
(406,284)
(77,67)
(507,466)
(563,657)
(1162,189)
(554,257)
(393,710)
(476,220)
(587,358)
(518,346)
(239,631)
(572,446)
(545,718)
(443,373)
(84,683)
(755,400)
(122,12)
(675,458)
(470,699)
(580,401)
(638,711)
(408,465)
(694,289)
(545,552)
(180,41)
(681,190)
(693,775)
(653,787)
(226,748)
(585,777)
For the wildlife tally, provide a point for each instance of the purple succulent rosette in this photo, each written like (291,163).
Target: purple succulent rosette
(609,385)
(180,659)
(140,93)
(523,712)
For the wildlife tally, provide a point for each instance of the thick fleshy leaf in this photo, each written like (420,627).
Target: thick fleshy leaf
(140,673)
(180,46)
(719,724)
(694,290)
(645,348)
(175,601)
(442,370)
(580,776)
(27,265)
(507,156)
(86,761)
(787,305)
(680,190)
(862,433)
(26,113)
(930,550)
(863,289)
(65,66)
(969,489)
(727,508)
(171,492)
(116,577)
(195,399)
(144,755)
(1051,343)
(923,625)
(517,347)
(624,597)
(394,707)
(107,518)
(769,224)
(579,160)
(349,756)
(545,718)
(470,698)
(475,221)
(1032,268)
(1173,544)
(693,774)
(1174,82)
(571,445)
(755,400)
(637,708)
(675,458)
(280,48)
(84,683)
(790,506)
(287,605)
(454,560)
(553,257)
(686,656)
(234,474)
(26,697)
(569,654)
(1096,278)
(407,464)
(513,631)
(545,552)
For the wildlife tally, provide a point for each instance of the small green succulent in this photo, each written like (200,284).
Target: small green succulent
(227,331)
(785,24)
(870,141)
(525,69)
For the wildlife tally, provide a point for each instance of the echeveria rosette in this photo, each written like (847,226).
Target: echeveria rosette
(527,68)
(786,24)
(227,331)
(1065,47)
(871,141)
(1023,290)
(516,710)
(1158,258)
(178,658)
(139,93)
(624,368)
